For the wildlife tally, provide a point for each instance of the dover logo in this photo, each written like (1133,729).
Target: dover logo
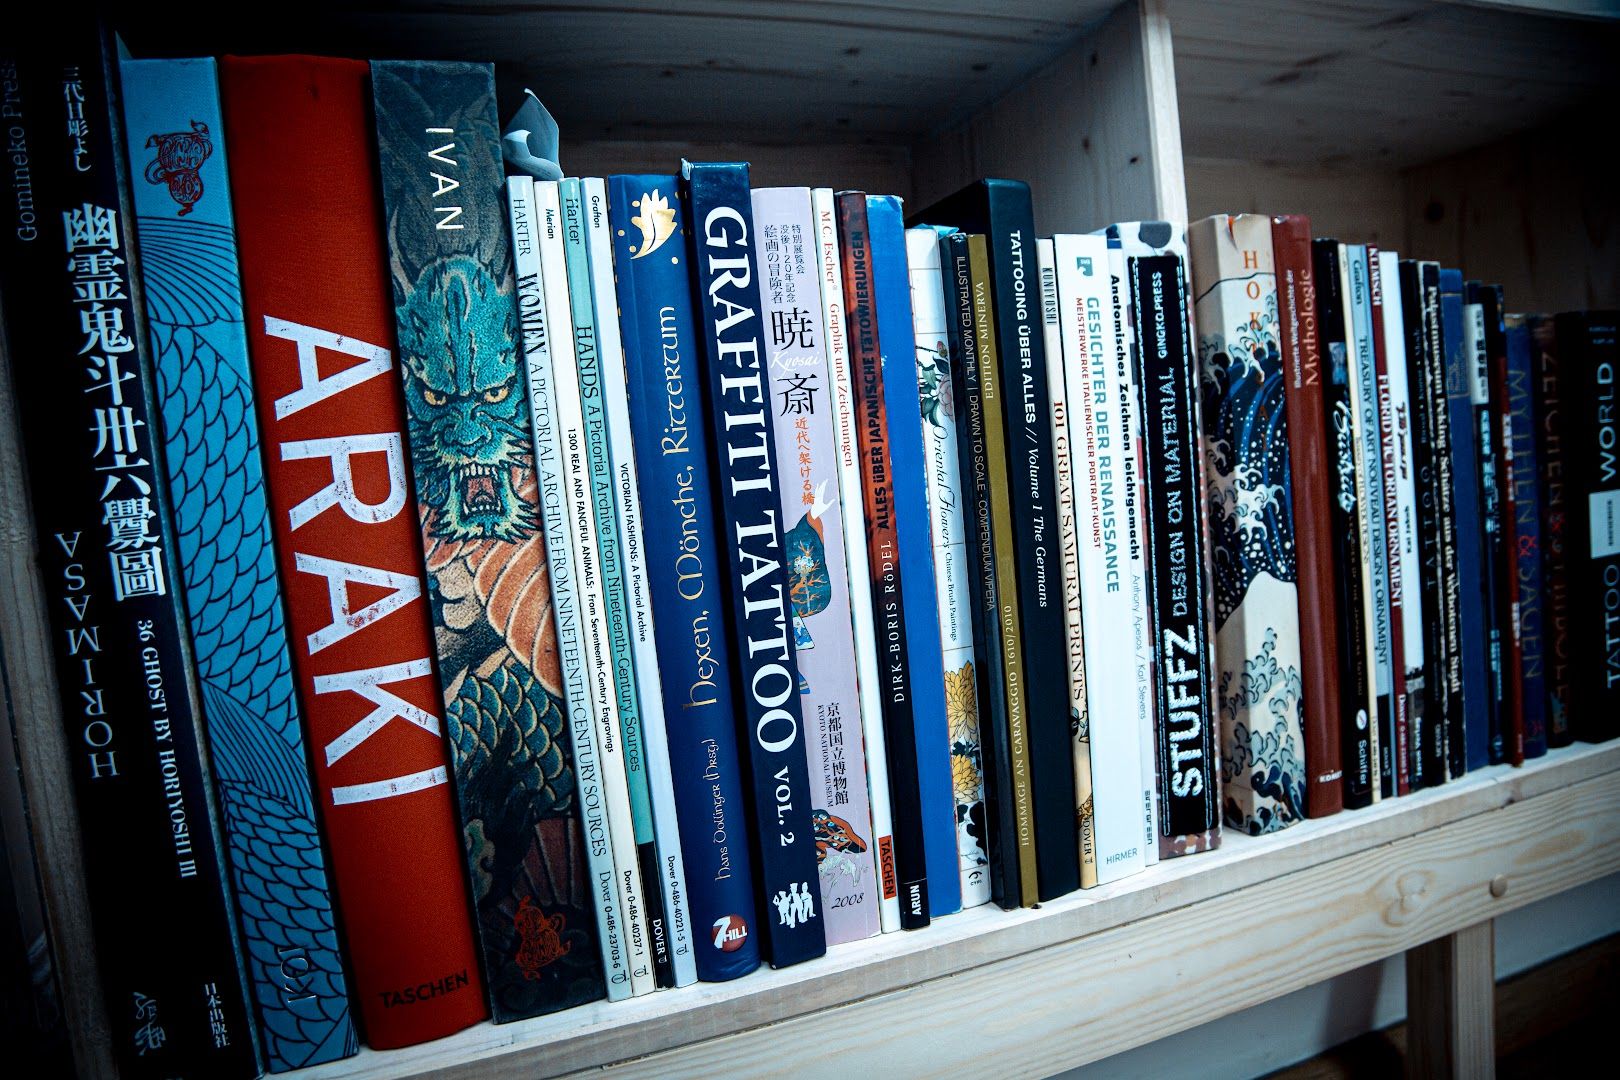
(730,931)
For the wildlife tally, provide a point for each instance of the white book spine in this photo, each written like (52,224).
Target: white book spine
(544,261)
(1400,397)
(952,564)
(649,688)
(1092,294)
(1363,399)
(860,591)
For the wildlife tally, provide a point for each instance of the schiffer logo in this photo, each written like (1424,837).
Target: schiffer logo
(730,931)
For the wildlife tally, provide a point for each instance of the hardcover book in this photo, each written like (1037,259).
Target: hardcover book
(818,579)
(1479,317)
(670,438)
(1553,477)
(106,549)
(193,290)
(1251,519)
(748,475)
(1525,475)
(1394,741)
(952,561)
(1322,707)
(320,324)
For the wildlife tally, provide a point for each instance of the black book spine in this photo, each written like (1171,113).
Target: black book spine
(1353,668)
(1477,335)
(83,381)
(766,669)
(1445,432)
(972,450)
(1555,535)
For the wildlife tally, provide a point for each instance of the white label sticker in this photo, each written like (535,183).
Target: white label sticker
(1605,524)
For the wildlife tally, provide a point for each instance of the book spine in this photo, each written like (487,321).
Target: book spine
(1394,738)
(1553,477)
(641,698)
(316,294)
(106,550)
(749,479)
(1304,400)
(670,439)
(1511,708)
(818,579)
(1476,340)
(1250,498)
(1527,547)
(193,293)
(943,473)
(1105,540)
(1450,688)
(1001,832)
(852,510)
(1177,547)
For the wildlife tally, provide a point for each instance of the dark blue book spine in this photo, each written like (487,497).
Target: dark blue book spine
(670,421)
(892,298)
(1470,525)
(1480,328)
(764,665)
(1526,471)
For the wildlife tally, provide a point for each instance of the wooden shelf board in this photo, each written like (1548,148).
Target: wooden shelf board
(1402,872)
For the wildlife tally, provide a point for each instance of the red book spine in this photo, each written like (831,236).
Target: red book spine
(1392,534)
(320,327)
(1311,468)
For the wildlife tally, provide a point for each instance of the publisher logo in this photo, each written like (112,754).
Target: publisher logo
(730,931)
(886,867)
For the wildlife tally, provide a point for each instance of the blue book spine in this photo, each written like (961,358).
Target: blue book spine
(671,442)
(909,473)
(764,664)
(222,528)
(1470,525)
(1525,466)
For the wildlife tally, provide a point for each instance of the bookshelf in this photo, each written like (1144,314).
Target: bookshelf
(1458,131)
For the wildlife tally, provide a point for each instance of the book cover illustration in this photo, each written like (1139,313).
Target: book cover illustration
(193,295)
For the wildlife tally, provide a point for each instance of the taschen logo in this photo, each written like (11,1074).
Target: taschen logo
(730,931)
(656,222)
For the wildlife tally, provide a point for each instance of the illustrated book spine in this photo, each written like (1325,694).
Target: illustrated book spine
(1394,740)
(320,324)
(1525,472)
(749,475)
(1553,479)
(670,438)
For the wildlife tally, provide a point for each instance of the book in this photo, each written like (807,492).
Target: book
(597,556)
(1355,689)
(1394,740)
(320,325)
(193,296)
(852,510)
(908,483)
(952,560)
(1588,359)
(818,579)
(1322,707)
(1525,498)
(1553,478)
(1109,560)
(1251,522)
(1511,708)
(747,474)
(670,439)
(82,378)
(1003,212)
(1479,330)
(1000,700)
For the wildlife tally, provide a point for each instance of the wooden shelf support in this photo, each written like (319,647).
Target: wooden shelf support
(1451,1005)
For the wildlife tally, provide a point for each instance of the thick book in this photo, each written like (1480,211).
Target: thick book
(1109,553)
(1553,478)
(471,447)
(1003,212)
(952,560)
(818,579)
(1525,498)
(967,291)
(670,439)
(1322,711)
(320,324)
(1589,357)
(1251,522)
(1355,671)
(1394,742)
(187,234)
(747,472)
(1479,333)
(106,549)
(849,466)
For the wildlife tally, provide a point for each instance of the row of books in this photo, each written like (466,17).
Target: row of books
(779,575)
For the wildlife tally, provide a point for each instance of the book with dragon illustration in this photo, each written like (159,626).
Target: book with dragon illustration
(192,288)
(1251,516)
(952,560)
(818,577)
(107,552)
(321,339)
